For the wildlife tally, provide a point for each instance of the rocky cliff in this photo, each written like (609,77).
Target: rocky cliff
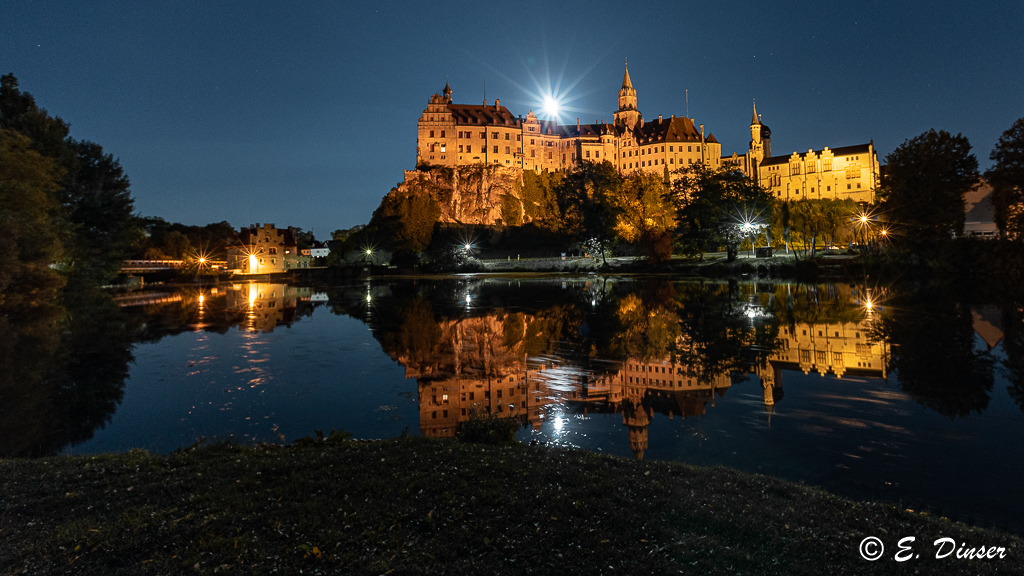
(481,194)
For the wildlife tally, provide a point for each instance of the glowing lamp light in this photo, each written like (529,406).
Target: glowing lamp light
(252,294)
(202,260)
(369,251)
(202,298)
(863,219)
(869,305)
(252,263)
(467,246)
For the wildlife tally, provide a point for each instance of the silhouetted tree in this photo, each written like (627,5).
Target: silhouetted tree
(924,186)
(1007,179)
(96,204)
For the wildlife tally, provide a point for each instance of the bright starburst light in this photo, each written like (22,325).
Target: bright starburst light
(551,107)
(550,95)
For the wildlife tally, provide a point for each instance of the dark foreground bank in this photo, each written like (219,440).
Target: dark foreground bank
(417,506)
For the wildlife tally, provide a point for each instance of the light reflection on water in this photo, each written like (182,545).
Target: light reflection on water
(779,379)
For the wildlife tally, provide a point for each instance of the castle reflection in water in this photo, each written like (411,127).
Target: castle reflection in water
(480,366)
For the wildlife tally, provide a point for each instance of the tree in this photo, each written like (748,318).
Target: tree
(98,200)
(96,204)
(1007,179)
(539,204)
(586,200)
(713,204)
(30,244)
(644,214)
(405,219)
(924,186)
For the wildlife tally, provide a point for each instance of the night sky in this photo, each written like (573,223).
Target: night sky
(305,114)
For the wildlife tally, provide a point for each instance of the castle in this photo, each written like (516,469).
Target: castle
(456,135)
(464,134)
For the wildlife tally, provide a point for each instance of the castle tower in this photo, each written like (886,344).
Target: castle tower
(760,145)
(627,115)
(447,92)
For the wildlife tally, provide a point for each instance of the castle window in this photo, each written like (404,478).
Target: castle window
(483,135)
(826,165)
(442,149)
(670,149)
(494,135)
(469,149)
(549,155)
(273,250)
(519,137)
(597,154)
(531,141)
(460,134)
(812,167)
(588,153)
(495,149)
(442,136)
(671,160)
(506,136)
(507,151)
(431,133)
(460,148)
(662,148)
(689,148)
(533,153)
(828,188)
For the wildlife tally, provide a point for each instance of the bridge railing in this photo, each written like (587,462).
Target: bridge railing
(146,265)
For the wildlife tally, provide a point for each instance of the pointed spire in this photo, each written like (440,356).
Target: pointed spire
(626,82)
(756,120)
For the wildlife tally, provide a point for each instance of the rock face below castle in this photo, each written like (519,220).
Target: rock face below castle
(478,194)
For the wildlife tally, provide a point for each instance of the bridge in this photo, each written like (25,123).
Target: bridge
(137,266)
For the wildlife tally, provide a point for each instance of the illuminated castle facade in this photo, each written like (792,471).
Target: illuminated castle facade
(454,135)
(848,172)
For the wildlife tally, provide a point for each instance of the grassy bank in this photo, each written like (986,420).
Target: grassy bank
(417,506)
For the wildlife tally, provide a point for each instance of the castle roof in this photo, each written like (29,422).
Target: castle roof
(841,151)
(674,129)
(482,115)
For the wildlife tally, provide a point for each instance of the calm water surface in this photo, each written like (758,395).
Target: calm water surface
(915,399)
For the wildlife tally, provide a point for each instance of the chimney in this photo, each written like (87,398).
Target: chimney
(577,124)
(659,118)
(485,101)
(497,102)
